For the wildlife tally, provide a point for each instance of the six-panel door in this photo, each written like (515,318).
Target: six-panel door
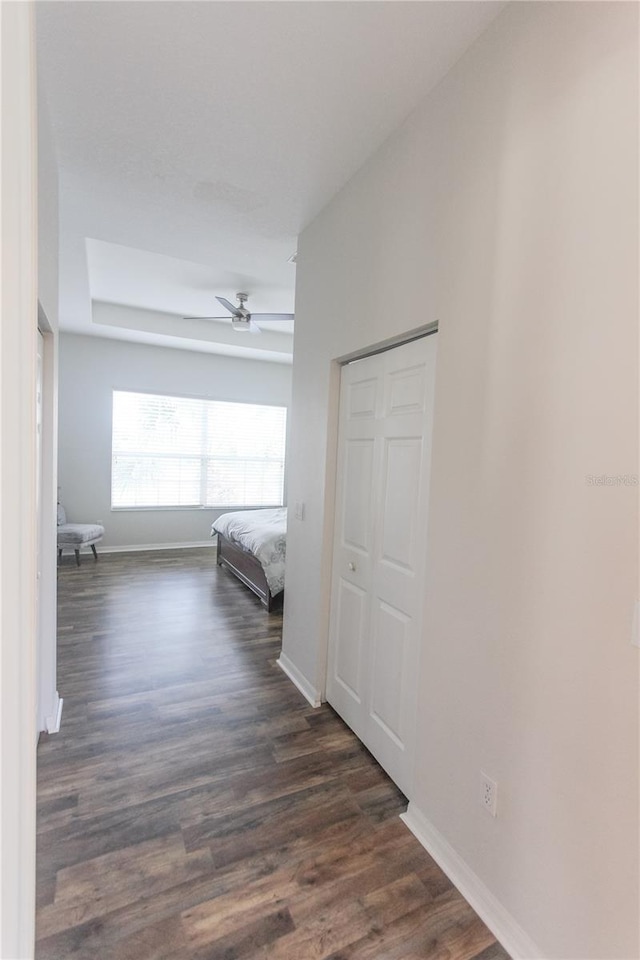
(378,587)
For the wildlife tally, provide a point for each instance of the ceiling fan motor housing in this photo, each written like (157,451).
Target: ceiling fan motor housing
(242,299)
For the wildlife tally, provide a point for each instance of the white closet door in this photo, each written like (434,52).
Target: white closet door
(384,454)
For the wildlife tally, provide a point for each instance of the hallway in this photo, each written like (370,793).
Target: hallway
(194,806)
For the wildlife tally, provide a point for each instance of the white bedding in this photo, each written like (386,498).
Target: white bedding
(262,533)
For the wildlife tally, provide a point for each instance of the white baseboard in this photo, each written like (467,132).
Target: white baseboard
(53,721)
(503,926)
(140,547)
(299,680)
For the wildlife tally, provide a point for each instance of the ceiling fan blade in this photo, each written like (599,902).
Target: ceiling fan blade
(207,318)
(229,306)
(272,317)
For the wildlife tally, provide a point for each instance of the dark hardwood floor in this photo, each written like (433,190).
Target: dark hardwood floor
(195,807)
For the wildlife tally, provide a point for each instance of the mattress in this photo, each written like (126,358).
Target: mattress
(262,533)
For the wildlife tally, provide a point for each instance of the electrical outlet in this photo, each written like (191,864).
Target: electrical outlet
(489,794)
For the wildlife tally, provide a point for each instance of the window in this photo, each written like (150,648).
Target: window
(183,452)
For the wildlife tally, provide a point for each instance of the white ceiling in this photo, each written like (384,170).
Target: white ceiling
(195,141)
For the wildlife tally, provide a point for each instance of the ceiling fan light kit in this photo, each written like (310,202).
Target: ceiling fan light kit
(240,324)
(241,319)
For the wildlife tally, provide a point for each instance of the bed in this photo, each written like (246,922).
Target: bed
(252,545)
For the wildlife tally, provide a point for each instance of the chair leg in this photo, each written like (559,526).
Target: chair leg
(95,552)
(77,553)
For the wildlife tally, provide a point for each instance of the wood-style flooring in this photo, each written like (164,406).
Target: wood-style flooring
(195,807)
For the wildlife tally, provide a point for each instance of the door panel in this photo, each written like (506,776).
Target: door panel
(400,501)
(356,522)
(350,631)
(406,391)
(390,633)
(378,581)
(362,398)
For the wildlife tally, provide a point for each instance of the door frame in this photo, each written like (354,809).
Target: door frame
(331,478)
(49,702)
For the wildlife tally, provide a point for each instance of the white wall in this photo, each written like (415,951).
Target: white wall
(18,312)
(90,369)
(507,208)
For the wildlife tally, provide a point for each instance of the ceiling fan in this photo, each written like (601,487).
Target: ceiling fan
(241,319)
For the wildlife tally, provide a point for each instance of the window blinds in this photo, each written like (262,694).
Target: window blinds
(185,452)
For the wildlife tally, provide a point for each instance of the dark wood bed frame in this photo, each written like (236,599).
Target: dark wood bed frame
(247,569)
